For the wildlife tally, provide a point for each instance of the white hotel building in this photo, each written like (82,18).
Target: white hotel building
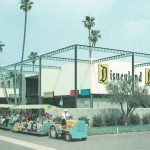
(57,85)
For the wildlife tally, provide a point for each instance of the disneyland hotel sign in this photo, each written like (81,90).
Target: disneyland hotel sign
(103,75)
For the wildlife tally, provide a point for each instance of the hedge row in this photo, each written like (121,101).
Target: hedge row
(112,120)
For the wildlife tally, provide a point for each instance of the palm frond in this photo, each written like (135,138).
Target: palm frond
(89,22)
(26,5)
(33,56)
(94,36)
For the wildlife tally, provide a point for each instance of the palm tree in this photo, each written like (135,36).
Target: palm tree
(1,49)
(13,76)
(33,56)
(95,35)
(26,5)
(1,46)
(89,23)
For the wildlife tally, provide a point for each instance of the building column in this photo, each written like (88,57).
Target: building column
(75,75)
(15,97)
(39,81)
(132,73)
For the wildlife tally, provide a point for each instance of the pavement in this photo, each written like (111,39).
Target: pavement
(121,141)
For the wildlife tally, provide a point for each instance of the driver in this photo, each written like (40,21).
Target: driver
(65,115)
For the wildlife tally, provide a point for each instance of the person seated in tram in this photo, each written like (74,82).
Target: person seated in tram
(30,124)
(40,118)
(6,120)
(1,120)
(26,117)
(14,118)
(39,122)
(49,117)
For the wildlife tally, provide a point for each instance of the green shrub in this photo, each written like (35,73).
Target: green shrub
(134,119)
(107,119)
(146,119)
(110,120)
(120,120)
(97,121)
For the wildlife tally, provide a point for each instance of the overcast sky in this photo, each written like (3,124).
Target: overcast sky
(54,24)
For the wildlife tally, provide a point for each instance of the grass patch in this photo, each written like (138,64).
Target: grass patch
(117,129)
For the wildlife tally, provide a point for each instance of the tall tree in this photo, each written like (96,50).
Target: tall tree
(95,35)
(121,93)
(1,50)
(33,56)
(26,5)
(89,23)
(13,76)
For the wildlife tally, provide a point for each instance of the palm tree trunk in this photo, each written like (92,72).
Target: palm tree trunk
(89,37)
(24,39)
(89,43)
(33,67)
(90,52)
(22,57)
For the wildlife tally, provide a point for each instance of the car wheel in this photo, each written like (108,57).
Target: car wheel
(53,133)
(49,131)
(84,139)
(68,137)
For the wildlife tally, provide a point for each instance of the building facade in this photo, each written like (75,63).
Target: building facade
(56,85)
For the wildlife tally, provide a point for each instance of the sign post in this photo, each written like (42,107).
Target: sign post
(61,102)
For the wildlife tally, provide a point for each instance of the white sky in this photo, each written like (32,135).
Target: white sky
(54,24)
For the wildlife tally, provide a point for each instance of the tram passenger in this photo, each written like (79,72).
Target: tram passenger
(30,125)
(39,122)
(50,117)
(5,122)
(39,118)
(1,120)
